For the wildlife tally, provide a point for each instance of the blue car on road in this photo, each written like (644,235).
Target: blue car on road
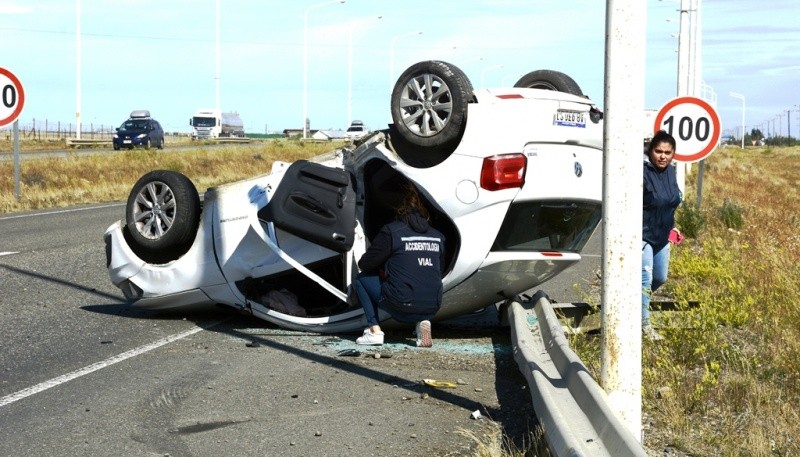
(139,130)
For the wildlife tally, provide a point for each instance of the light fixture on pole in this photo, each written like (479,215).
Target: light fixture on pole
(350,70)
(483,73)
(305,61)
(741,97)
(391,55)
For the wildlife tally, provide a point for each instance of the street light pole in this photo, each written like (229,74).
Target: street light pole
(305,61)
(350,70)
(684,35)
(391,55)
(77,68)
(506,78)
(216,60)
(485,70)
(741,97)
(789,125)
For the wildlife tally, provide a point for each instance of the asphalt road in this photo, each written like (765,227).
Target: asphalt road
(83,374)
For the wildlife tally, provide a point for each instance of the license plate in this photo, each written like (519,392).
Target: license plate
(126,141)
(570,118)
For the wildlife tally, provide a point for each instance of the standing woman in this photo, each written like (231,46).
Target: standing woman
(660,200)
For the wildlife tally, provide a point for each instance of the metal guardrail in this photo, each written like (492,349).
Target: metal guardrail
(232,139)
(570,405)
(74,142)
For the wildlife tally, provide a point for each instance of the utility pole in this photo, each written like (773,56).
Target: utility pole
(789,125)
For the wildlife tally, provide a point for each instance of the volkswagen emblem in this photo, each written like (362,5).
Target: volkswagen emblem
(578,169)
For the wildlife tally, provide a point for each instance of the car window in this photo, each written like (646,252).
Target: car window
(134,124)
(547,225)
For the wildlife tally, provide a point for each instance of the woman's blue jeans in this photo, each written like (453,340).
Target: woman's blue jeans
(370,294)
(654,275)
(368,290)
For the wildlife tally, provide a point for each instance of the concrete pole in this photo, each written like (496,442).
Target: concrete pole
(621,344)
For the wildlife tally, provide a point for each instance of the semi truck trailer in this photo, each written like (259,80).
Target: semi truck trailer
(211,123)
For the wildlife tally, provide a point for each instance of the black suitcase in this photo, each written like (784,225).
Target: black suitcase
(316,203)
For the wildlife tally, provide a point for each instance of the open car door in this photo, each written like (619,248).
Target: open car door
(316,203)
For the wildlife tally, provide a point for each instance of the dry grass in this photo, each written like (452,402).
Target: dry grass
(489,441)
(103,177)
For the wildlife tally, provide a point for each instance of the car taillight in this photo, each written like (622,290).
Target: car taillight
(503,171)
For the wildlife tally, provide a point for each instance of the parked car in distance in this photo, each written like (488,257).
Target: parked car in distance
(357,130)
(139,130)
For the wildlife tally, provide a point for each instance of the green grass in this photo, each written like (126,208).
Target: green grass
(726,379)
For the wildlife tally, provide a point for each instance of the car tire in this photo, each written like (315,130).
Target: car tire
(161,144)
(116,148)
(429,104)
(549,80)
(147,143)
(162,215)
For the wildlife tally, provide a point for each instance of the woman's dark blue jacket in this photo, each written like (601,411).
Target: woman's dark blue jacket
(411,256)
(661,197)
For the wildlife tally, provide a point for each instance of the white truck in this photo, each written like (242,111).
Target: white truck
(212,123)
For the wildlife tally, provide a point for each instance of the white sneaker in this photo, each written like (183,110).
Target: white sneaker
(424,339)
(370,338)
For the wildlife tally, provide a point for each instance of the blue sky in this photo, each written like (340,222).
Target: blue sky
(160,55)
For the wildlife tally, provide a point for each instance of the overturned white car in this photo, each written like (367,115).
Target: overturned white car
(511,176)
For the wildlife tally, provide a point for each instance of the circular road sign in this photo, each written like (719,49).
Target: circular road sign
(12,97)
(694,124)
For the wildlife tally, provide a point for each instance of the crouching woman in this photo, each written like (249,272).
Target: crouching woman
(401,272)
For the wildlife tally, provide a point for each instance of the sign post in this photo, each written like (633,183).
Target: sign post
(12,99)
(696,127)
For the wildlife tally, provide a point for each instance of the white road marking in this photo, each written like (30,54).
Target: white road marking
(11,398)
(8,253)
(60,211)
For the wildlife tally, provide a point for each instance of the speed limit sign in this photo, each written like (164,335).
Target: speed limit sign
(693,123)
(12,97)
